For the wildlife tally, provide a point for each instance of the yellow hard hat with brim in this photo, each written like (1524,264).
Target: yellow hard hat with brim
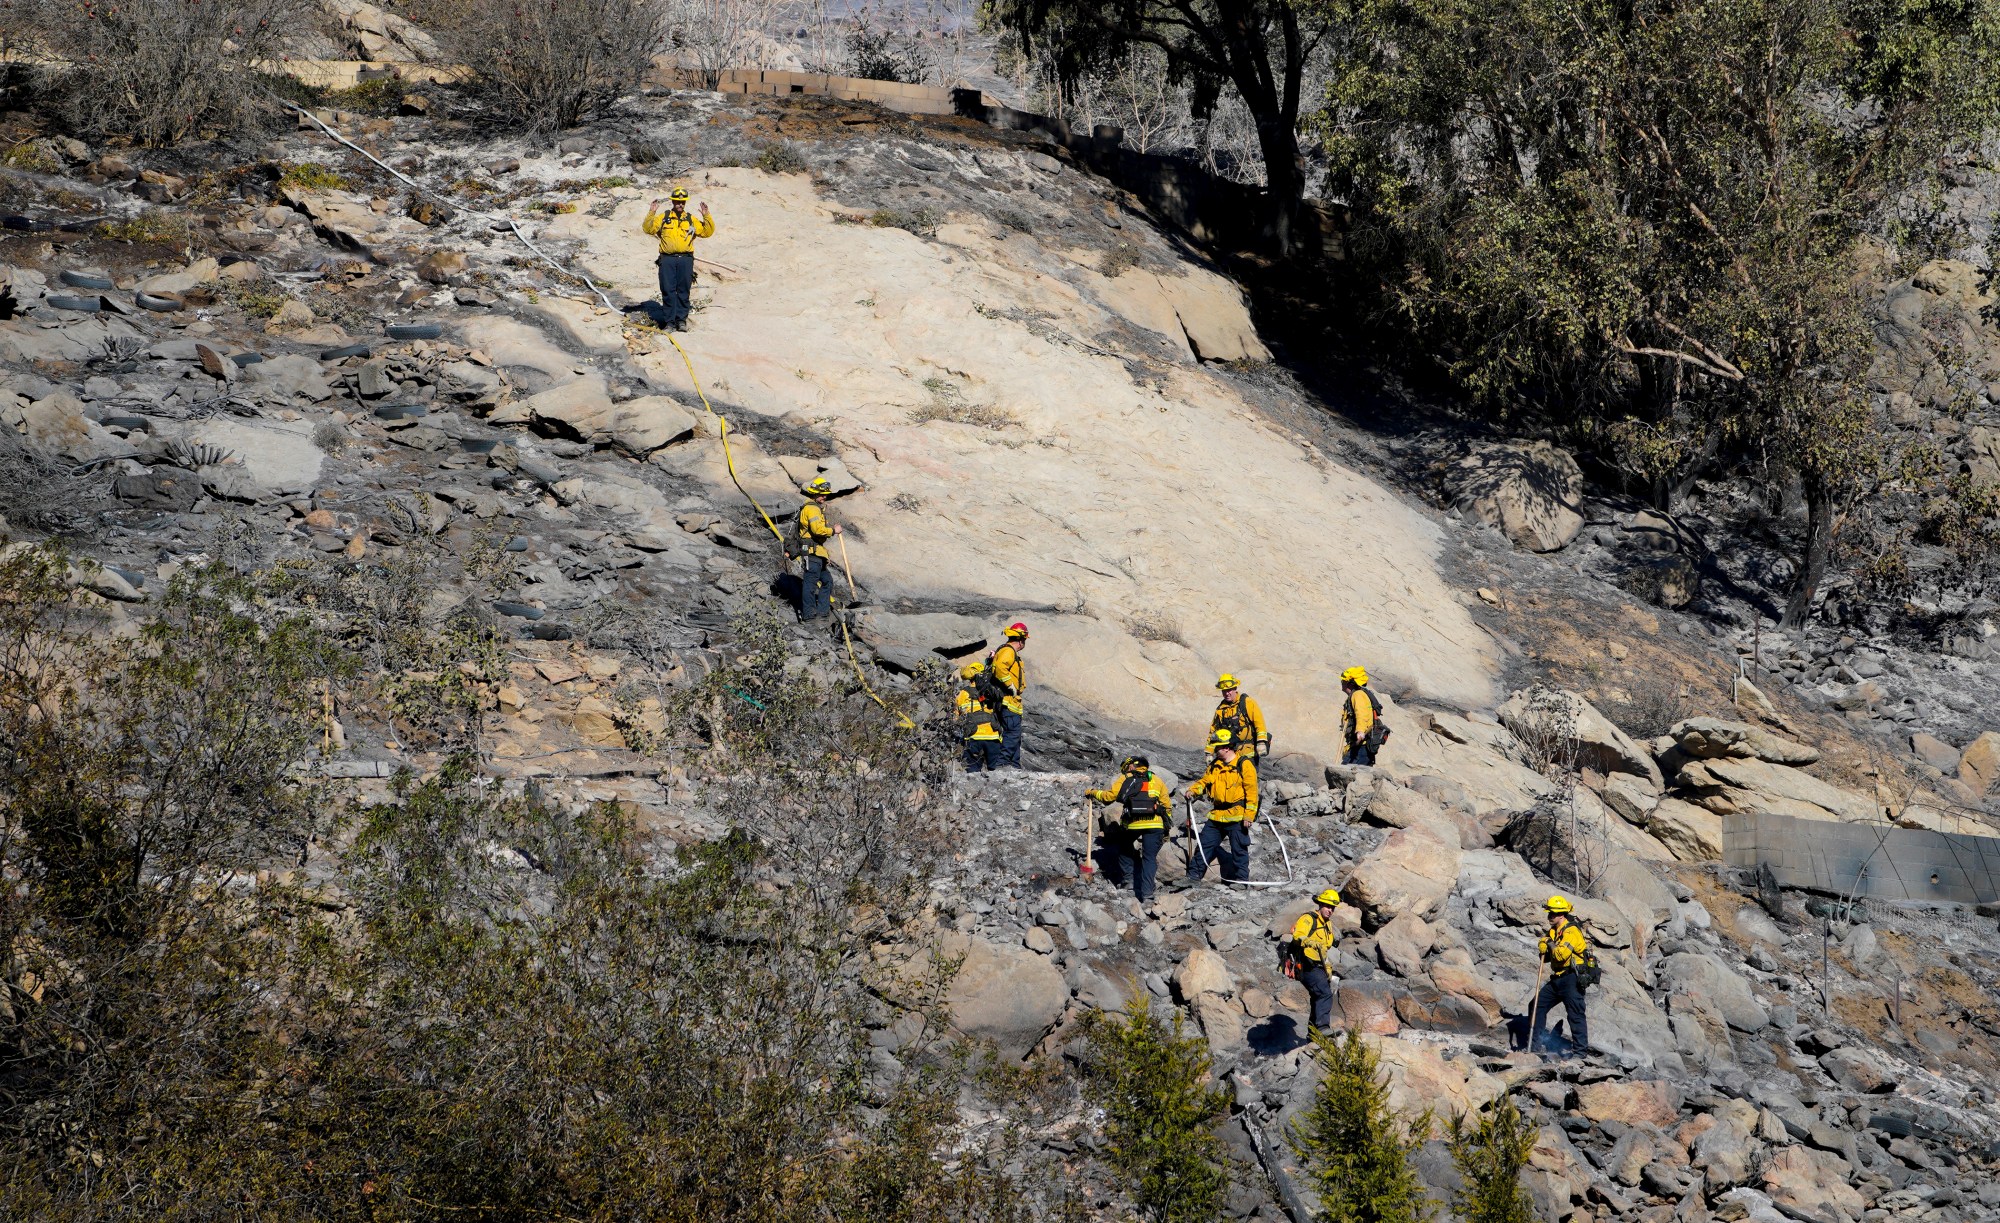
(1222,738)
(971,670)
(1225,682)
(1328,897)
(819,486)
(680,193)
(1358,675)
(1559,904)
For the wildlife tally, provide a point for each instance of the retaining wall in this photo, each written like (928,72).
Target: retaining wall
(1878,861)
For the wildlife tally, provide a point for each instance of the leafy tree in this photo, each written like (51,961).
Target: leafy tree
(1258,48)
(1354,1149)
(1489,1155)
(1161,1107)
(227,995)
(1642,220)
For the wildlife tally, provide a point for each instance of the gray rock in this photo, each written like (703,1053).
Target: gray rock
(1531,492)
(1708,978)
(1008,995)
(1714,739)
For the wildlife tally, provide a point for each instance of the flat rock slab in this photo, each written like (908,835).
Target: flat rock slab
(278,455)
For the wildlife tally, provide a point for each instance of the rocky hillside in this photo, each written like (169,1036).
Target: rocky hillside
(1036,404)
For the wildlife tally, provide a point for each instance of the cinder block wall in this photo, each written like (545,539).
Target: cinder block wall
(1878,861)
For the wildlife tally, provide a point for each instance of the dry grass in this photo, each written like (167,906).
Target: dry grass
(948,403)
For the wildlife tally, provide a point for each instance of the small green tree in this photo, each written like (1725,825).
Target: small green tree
(1489,1155)
(1356,1153)
(1160,1111)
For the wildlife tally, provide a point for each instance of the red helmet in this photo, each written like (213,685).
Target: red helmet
(1017,629)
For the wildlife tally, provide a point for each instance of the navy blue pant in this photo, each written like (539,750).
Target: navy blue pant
(1562,988)
(1010,738)
(982,755)
(676,280)
(815,590)
(1139,859)
(1227,844)
(1319,986)
(1360,754)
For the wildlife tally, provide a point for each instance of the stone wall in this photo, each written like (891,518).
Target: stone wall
(1878,861)
(909,99)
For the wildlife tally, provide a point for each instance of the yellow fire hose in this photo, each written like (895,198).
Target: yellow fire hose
(729,459)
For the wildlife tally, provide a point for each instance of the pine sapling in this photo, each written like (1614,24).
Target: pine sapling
(1355,1151)
(1490,1154)
(1161,1105)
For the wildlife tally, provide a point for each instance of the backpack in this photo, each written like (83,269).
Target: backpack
(1139,802)
(1292,955)
(1588,971)
(991,690)
(1378,732)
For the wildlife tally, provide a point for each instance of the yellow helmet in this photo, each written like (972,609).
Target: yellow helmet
(680,193)
(1357,674)
(1559,904)
(971,670)
(1225,682)
(819,487)
(1328,897)
(1222,738)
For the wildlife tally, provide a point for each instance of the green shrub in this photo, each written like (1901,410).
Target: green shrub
(311,176)
(1490,1156)
(1160,1111)
(782,157)
(1356,1153)
(920,221)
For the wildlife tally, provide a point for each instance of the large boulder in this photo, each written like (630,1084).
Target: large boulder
(1420,1077)
(1728,1150)
(1411,874)
(1730,786)
(1979,763)
(1806,1183)
(1532,492)
(1637,1102)
(1694,834)
(1625,1023)
(1203,972)
(1539,715)
(1008,995)
(1703,976)
(1715,739)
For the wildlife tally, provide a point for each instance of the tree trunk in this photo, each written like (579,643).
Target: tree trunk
(1818,553)
(1284,174)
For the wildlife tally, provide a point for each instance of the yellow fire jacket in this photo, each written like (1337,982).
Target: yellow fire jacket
(1314,935)
(1007,669)
(1231,787)
(1357,715)
(1242,719)
(678,230)
(812,530)
(975,721)
(1564,949)
(1162,796)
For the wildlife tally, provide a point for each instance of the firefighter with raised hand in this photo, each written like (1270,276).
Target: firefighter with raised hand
(1567,953)
(1005,673)
(1240,716)
(1146,801)
(975,722)
(1361,726)
(1230,785)
(1312,942)
(809,544)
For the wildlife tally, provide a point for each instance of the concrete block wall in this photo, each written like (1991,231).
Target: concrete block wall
(1877,861)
